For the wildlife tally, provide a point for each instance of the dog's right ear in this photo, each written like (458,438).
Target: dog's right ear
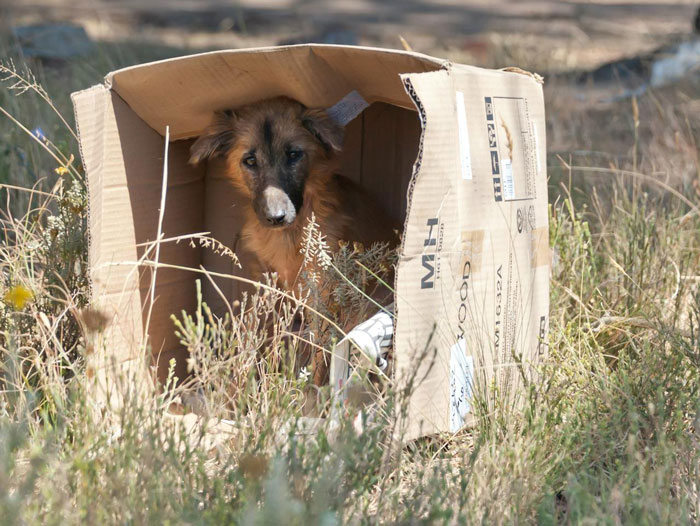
(324,129)
(217,139)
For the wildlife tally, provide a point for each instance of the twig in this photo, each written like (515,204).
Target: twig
(159,235)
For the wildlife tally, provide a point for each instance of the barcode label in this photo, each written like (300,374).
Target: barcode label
(508,183)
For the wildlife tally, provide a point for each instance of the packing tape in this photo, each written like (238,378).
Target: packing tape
(347,108)
(472,248)
(541,254)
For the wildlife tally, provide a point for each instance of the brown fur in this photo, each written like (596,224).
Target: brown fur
(342,210)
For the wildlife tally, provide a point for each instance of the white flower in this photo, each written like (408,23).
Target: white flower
(314,248)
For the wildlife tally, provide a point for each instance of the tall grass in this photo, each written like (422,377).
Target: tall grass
(609,435)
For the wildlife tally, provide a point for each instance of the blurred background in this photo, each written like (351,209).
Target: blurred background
(554,35)
(596,57)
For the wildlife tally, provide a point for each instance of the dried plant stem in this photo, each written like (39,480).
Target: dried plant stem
(159,233)
(23,84)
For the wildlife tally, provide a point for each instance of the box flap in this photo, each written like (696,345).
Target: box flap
(101,153)
(473,279)
(184,92)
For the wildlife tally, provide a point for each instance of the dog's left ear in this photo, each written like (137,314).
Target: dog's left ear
(321,126)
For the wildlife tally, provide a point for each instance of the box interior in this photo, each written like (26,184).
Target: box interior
(379,151)
(380,148)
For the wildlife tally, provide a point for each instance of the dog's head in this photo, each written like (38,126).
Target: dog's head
(272,148)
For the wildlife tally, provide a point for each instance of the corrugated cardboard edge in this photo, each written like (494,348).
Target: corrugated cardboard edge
(276,49)
(107,376)
(445,66)
(74,99)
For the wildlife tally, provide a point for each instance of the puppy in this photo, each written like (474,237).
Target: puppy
(284,159)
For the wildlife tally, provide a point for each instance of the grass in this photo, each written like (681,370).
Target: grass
(609,435)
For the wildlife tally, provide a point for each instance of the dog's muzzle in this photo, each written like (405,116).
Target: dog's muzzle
(277,209)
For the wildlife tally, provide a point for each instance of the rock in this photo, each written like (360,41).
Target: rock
(661,67)
(332,35)
(53,41)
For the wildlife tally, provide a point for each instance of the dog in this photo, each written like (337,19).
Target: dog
(284,158)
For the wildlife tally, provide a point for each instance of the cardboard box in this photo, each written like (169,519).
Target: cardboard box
(456,153)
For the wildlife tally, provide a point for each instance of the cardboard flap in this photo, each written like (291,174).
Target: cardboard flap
(184,92)
(472,284)
(432,221)
(100,148)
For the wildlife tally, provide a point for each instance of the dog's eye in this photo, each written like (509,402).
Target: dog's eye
(249,160)
(294,155)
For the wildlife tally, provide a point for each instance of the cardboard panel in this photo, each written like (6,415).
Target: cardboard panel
(111,240)
(505,111)
(184,214)
(351,156)
(474,268)
(124,161)
(184,92)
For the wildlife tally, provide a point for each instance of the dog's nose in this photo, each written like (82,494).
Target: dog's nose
(276,218)
(276,207)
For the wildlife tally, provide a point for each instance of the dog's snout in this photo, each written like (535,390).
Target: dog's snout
(276,218)
(276,209)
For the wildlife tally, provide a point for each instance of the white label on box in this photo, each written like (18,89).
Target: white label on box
(346,109)
(464,151)
(508,183)
(461,375)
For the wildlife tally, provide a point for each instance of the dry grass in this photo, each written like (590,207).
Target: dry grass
(609,434)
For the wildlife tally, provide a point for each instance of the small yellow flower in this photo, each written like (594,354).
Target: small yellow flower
(18,296)
(61,170)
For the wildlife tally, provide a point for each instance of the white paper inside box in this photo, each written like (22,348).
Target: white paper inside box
(455,153)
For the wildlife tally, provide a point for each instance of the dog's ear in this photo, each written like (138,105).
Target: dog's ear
(321,126)
(217,139)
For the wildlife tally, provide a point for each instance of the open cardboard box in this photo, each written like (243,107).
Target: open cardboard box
(455,153)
